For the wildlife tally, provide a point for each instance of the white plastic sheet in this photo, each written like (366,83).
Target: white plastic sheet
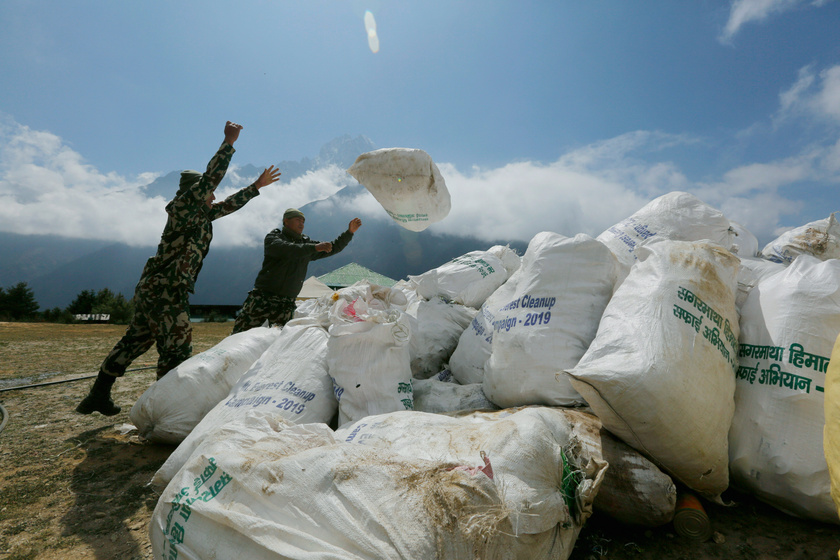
(750,273)
(745,243)
(376,296)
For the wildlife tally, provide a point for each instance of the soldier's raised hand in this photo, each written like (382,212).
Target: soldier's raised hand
(355,224)
(232,132)
(268,176)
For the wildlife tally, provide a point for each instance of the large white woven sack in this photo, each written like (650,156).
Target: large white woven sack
(409,290)
(261,489)
(468,279)
(407,183)
(473,349)
(678,216)
(289,381)
(660,373)
(508,256)
(745,244)
(529,452)
(369,360)
(789,324)
(750,273)
(635,491)
(831,432)
(549,320)
(442,393)
(436,327)
(820,239)
(168,410)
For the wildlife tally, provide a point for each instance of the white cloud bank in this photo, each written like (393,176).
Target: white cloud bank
(47,188)
(742,12)
(814,95)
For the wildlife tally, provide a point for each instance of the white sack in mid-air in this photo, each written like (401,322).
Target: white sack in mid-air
(407,183)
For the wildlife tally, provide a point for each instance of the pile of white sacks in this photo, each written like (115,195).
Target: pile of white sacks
(483,409)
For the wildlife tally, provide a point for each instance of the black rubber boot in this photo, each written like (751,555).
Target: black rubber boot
(99,398)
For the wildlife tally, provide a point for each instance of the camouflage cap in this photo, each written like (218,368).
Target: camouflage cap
(293,213)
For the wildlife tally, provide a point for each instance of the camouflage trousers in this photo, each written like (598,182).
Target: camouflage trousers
(156,321)
(260,307)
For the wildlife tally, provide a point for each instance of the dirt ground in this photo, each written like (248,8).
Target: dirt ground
(74,487)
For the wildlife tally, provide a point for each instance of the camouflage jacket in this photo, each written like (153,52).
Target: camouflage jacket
(185,241)
(286,258)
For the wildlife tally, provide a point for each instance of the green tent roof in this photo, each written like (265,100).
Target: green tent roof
(351,273)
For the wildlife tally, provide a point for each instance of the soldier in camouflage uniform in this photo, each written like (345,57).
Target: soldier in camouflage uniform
(287,256)
(161,299)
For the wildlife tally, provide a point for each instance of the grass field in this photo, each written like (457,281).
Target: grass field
(41,350)
(74,486)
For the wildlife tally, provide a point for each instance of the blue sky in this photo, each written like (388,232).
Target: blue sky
(561,116)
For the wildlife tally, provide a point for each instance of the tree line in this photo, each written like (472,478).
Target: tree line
(18,303)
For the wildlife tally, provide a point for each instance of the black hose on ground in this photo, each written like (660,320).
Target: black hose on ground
(4,389)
